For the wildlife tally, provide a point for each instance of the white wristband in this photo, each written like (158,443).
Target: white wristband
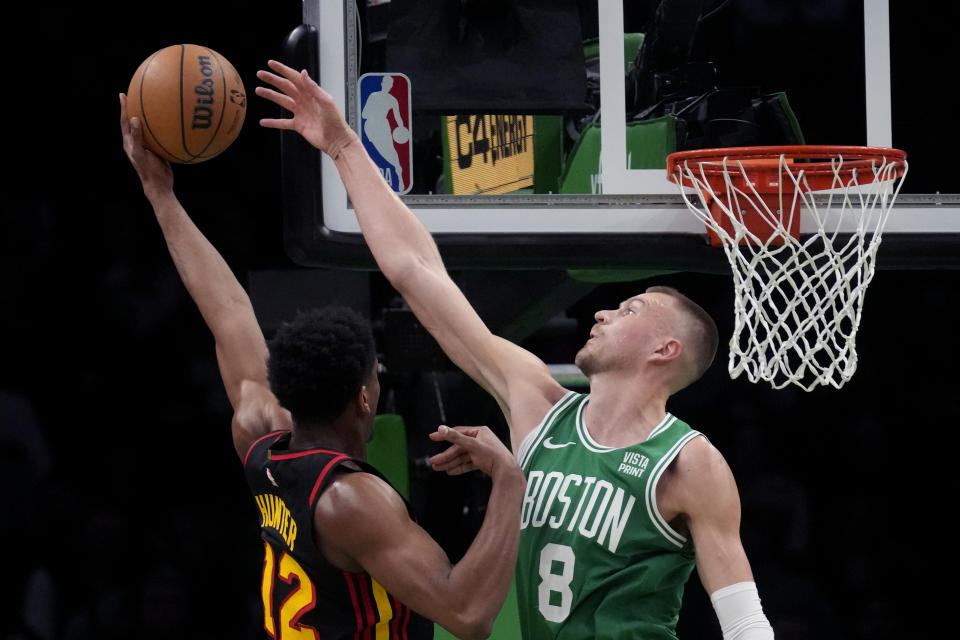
(739,612)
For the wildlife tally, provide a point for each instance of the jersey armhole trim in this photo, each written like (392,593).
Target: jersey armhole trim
(311,501)
(668,532)
(275,434)
(536,435)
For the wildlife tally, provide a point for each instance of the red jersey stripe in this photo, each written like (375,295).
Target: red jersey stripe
(356,603)
(300,454)
(406,622)
(370,615)
(397,612)
(323,473)
(401,619)
(250,448)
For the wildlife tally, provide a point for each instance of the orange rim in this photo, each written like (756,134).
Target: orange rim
(817,162)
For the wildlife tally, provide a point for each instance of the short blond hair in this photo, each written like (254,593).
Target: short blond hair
(702,338)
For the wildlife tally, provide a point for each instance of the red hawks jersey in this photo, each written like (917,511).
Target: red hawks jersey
(303,593)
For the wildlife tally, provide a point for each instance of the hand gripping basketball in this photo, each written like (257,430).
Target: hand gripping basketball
(155,173)
(190,102)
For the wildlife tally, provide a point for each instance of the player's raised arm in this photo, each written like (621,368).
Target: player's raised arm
(408,256)
(222,301)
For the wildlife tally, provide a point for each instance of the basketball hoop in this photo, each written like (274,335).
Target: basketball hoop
(800,226)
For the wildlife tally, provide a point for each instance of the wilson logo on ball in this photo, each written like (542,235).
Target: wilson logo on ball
(191,103)
(203,111)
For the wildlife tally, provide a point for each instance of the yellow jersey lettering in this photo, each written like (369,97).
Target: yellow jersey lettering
(275,515)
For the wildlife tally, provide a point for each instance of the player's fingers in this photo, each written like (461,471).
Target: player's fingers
(470,430)
(276,97)
(296,79)
(461,469)
(314,89)
(449,461)
(284,87)
(276,123)
(446,456)
(446,467)
(136,132)
(440,435)
(124,123)
(305,81)
(133,140)
(282,69)
(458,435)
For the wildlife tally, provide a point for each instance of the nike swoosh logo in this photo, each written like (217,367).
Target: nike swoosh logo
(552,445)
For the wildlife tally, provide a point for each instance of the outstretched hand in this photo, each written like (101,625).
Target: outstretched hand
(155,173)
(472,449)
(314,113)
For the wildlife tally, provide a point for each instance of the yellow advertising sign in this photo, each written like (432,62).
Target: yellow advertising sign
(490,153)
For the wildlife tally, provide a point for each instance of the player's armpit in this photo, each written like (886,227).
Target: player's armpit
(257,414)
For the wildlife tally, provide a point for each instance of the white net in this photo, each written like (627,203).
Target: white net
(798,297)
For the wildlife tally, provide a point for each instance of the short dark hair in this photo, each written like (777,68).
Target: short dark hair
(703,337)
(319,360)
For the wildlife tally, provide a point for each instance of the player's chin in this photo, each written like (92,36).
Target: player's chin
(584,360)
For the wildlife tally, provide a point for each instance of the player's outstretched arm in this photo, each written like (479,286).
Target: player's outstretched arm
(711,504)
(408,256)
(224,305)
(464,598)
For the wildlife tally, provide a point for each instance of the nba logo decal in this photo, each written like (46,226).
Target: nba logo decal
(385,126)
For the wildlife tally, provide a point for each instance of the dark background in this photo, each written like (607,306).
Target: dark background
(124,509)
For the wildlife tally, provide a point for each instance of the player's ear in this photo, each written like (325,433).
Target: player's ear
(669,349)
(362,401)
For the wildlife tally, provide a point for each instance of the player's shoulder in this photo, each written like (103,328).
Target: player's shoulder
(357,512)
(358,495)
(702,476)
(699,458)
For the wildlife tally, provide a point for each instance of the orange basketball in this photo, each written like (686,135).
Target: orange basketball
(190,101)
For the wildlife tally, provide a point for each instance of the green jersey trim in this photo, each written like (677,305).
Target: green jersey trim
(651,494)
(533,439)
(596,447)
(665,424)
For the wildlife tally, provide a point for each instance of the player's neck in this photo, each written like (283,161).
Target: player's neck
(330,436)
(623,411)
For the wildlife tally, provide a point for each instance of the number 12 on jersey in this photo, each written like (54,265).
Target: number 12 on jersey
(302,599)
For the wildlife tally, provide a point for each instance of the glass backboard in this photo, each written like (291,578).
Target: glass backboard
(538,129)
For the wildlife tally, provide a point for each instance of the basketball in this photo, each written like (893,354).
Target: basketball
(190,101)
(401,135)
